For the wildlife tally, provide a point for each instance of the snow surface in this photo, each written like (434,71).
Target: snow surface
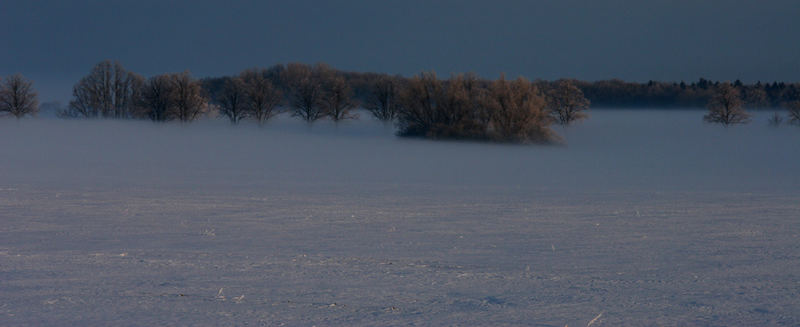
(648,217)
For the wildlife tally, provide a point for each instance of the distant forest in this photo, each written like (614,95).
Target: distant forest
(612,93)
(463,106)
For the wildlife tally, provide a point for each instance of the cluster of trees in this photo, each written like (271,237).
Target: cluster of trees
(466,107)
(111,91)
(726,107)
(312,93)
(251,94)
(463,106)
(17,97)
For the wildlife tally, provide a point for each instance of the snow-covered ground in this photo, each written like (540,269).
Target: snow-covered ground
(643,218)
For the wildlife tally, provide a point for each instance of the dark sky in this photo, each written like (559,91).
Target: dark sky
(56,42)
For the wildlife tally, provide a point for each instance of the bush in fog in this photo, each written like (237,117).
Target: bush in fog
(109,91)
(517,111)
(465,107)
(17,97)
(566,102)
(726,106)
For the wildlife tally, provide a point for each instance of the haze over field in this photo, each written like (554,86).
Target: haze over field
(613,150)
(648,217)
(386,163)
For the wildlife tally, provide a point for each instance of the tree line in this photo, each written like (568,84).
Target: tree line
(463,106)
(617,93)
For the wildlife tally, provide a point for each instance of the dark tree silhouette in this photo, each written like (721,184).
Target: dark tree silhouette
(261,97)
(17,97)
(419,115)
(725,107)
(305,91)
(382,99)
(232,102)
(158,97)
(337,97)
(567,103)
(188,99)
(109,91)
(437,109)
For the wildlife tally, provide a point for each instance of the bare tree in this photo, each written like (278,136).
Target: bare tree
(17,97)
(382,100)
(567,103)
(518,112)
(337,97)
(158,97)
(233,100)
(109,91)
(794,112)
(725,106)
(262,98)
(305,91)
(189,102)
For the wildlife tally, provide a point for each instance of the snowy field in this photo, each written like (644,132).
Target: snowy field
(643,218)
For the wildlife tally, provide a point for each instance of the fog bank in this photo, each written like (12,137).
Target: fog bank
(614,150)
